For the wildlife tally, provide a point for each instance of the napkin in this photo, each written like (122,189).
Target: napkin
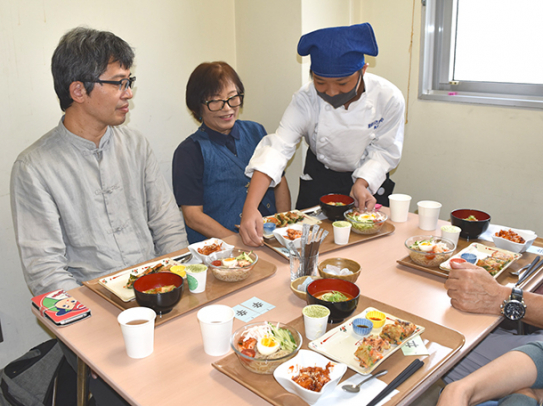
(368,391)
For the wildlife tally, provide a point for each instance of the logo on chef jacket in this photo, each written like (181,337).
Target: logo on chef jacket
(376,123)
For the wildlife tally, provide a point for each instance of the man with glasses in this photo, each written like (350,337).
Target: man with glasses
(88,197)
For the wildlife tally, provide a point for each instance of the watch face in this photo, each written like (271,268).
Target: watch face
(514,310)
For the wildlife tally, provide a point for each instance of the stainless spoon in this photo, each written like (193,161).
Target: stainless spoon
(183,258)
(531,266)
(356,388)
(518,271)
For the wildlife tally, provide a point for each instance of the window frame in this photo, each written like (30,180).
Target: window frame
(435,81)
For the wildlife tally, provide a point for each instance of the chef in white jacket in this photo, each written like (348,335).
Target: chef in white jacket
(353,122)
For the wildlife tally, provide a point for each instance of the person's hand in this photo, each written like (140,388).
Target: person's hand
(251,227)
(472,289)
(362,196)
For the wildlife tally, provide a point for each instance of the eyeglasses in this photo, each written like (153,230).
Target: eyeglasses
(216,105)
(123,84)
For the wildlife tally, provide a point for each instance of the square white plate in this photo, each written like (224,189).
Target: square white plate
(481,251)
(306,220)
(341,343)
(116,283)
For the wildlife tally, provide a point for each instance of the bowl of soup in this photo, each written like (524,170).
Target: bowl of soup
(472,222)
(334,205)
(339,296)
(160,291)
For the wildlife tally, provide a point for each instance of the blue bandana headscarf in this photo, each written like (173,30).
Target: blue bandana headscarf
(339,51)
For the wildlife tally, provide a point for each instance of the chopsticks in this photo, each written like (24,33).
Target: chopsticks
(533,266)
(311,240)
(401,378)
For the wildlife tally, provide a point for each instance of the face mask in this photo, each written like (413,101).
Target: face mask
(341,98)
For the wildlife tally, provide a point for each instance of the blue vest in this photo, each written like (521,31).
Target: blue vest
(225,183)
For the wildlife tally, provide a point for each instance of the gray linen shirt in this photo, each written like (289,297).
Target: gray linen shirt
(81,212)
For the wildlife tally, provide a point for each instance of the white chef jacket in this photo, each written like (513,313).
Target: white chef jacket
(365,139)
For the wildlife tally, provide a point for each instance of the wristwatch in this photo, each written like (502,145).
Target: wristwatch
(514,307)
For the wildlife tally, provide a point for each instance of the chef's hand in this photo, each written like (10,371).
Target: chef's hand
(362,196)
(472,289)
(251,227)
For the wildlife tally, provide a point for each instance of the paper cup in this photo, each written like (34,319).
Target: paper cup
(138,327)
(196,277)
(451,233)
(428,214)
(216,327)
(399,207)
(342,230)
(315,321)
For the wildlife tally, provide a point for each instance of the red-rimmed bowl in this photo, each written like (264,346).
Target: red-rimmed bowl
(161,303)
(339,311)
(470,229)
(334,205)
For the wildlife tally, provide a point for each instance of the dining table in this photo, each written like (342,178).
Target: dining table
(180,372)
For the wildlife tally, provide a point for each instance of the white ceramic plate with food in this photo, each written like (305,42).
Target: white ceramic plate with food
(494,260)
(203,249)
(289,218)
(117,283)
(341,343)
(291,368)
(506,244)
(292,230)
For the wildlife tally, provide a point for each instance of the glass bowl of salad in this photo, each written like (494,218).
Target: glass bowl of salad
(364,221)
(261,347)
(429,250)
(233,266)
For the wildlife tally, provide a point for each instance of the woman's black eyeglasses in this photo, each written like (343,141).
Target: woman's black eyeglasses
(216,105)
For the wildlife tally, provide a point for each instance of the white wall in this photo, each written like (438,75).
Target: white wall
(170,38)
(266,36)
(464,156)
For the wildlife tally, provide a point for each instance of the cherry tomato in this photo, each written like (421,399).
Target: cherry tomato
(216,263)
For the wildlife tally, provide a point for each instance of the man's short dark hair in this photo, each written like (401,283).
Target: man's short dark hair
(207,80)
(83,54)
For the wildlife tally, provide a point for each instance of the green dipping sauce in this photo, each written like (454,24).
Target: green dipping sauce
(195,268)
(316,311)
(341,224)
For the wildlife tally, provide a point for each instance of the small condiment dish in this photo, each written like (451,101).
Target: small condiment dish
(362,327)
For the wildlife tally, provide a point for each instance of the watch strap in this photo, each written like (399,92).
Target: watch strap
(516,294)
